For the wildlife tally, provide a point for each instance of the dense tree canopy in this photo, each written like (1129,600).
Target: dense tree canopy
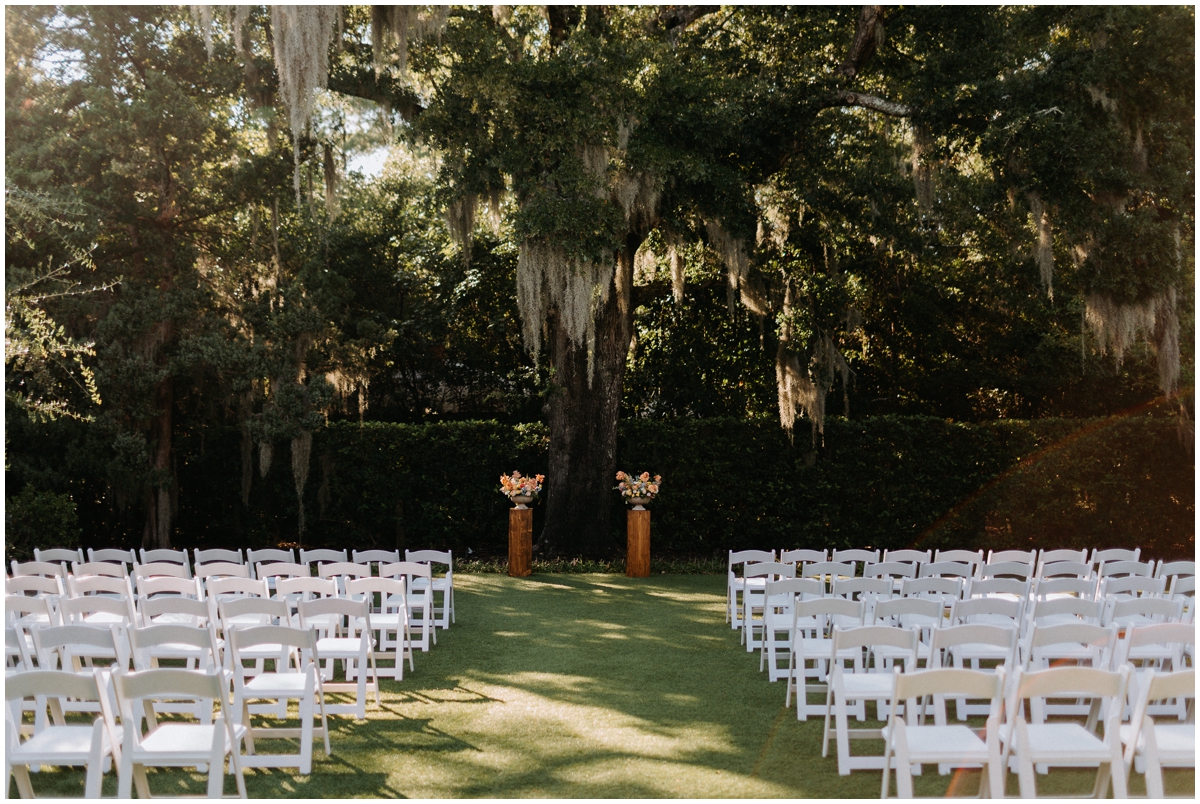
(588,212)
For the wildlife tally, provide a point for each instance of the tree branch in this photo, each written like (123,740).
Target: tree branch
(866,38)
(672,19)
(881,105)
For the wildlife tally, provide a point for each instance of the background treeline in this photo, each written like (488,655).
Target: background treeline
(886,482)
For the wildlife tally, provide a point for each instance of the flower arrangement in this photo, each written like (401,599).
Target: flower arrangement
(517,485)
(641,486)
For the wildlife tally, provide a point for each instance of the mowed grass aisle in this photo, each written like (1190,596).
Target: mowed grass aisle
(582,686)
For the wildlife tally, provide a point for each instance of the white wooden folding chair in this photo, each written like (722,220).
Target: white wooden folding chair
(221,569)
(113,555)
(58,555)
(861,682)
(375,556)
(1006,569)
(1141,611)
(813,621)
(1067,744)
(947,569)
(895,571)
(28,611)
(1120,569)
(802,556)
(734,584)
(341,571)
(1003,556)
(946,591)
(420,604)
(272,573)
(778,620)
(1114,554)
(35,586)
(103,585)
(955,645)
(1005,588)
(754,597)
(195,646)
(1160,648)
(218,555)
(176,744)
(911,742)
(166,555)
(293,590)
(1149,745)
(158,569)
(56,742)
(868,591)
(973,558)
(443,585)
(389,619)
(925,616)
(344,640)
(296,677)
(1063,610)
(270,556)
(323,556)
(106,568)
(1082,644)
(253,612)
(224,590)
(828,572)
(908,556)
(856,556)
(45,569)
(1170,570)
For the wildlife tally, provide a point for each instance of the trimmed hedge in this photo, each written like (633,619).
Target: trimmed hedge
(886,482)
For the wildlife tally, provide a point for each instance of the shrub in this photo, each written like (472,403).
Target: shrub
(39,519)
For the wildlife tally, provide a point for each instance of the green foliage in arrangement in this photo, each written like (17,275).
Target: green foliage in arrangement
(39,519)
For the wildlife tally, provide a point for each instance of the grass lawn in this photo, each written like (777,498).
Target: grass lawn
(582,686)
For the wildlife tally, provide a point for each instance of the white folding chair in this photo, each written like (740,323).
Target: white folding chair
(443,585)
(1081,644)
(257,558)
(341,571)
(27,611)
(176,744)
(1004,569)
(1067,744)
(1152,745)
(754,596)
(1065,610)
(420,604)
(45,569)
(925,616)
(910,741)
(102,585)
(907,556)
(223,590)
(58,555)
(293,590)
(1116,569)
(1005,588)
(1141,611)
(778,619)
(971,558)
(112,555)
(829,572)
(195,646)
(108,568)
(734,584)
(812,640)
(221,569)
(1114,554)
(1175,569)
(947,569)
(866,590)
(375,556)
(57,742)
(856,556)
(296,676)
(1004,556)
(947,591)
(166,556)
(35,586)
(97,610)
(863,682)
(1063,554)
(345,640)
(955,645)
(389,617)
(1159,648)
(803,556)
(323,556)
(273,572)
(218,555)
(158,569)
(253,612)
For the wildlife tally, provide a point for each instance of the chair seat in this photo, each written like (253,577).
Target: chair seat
(1176,742)
(272,685)
(106,618)
(1064,742)
(387,621)
(867,685)
(60,745)
(183,743)
(929,744)
(337,647)
(974,650)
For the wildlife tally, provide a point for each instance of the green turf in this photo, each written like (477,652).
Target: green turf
(582,686)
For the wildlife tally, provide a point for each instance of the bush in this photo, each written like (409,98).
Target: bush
(39,519)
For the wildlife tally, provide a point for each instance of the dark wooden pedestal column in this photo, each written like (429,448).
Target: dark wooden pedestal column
(520,542)
(637,555)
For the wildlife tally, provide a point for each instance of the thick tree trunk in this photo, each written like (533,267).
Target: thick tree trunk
(583,424)
(157,530)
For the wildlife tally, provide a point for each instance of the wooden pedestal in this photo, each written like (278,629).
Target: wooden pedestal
(520,542)
(637,555)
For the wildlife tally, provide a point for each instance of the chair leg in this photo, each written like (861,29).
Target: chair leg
(1025,775)
(843,735)
(1154,780)
(95,764)
(216,760)
(24,787)
(904,782)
